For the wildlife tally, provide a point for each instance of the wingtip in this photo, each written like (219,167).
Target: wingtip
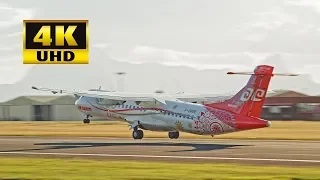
(33,87)
(285,74)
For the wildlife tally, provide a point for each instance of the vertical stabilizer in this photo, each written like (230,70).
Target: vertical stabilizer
(250,99)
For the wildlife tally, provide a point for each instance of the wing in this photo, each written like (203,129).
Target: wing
(201,97)
(143,97)
(121,96)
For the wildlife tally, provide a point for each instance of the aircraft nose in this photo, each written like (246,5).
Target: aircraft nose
(78,101)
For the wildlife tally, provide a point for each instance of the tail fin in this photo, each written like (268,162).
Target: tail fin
(250,99)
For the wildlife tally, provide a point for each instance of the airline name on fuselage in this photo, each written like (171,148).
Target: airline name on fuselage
(84,108)
(190,110)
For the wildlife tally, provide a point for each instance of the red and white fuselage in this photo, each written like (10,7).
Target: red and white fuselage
(180,116)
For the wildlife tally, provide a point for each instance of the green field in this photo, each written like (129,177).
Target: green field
(70,169)
(295,130)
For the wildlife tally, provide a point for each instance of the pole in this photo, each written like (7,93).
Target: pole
(120,84)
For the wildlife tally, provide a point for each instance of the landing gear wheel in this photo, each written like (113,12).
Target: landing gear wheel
(170,135)
(176,135)
(137,134)
(173,135)
(86,121)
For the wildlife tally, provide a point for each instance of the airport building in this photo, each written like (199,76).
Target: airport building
(291,105)
(40,108)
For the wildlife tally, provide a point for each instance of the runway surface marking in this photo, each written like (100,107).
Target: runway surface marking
(155,156)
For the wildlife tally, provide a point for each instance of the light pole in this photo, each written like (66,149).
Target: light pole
(120,84)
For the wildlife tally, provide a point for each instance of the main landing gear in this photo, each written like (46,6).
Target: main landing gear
(173,135)
(137,134)
(86,120)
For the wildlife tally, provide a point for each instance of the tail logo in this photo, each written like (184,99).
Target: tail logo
(256,95)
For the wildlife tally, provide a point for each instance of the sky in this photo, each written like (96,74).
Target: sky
(206,34)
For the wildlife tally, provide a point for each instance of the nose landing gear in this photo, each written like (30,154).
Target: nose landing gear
(86,120)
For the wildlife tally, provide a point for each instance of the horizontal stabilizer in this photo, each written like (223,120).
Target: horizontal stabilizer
(274,74)
(284,74)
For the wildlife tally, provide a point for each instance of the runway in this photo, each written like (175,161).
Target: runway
(293,153)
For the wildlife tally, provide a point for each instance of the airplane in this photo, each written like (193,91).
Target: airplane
(171,113)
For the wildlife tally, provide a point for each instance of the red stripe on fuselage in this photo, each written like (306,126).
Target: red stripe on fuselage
(137,109)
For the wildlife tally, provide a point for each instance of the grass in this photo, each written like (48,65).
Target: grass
(81,169)
(285,130)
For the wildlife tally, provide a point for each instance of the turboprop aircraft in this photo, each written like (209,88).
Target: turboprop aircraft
(168,113)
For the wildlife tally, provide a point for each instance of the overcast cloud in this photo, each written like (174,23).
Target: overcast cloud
(206,34)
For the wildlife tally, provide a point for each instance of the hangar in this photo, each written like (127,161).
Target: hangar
(40,108)
(291,105)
